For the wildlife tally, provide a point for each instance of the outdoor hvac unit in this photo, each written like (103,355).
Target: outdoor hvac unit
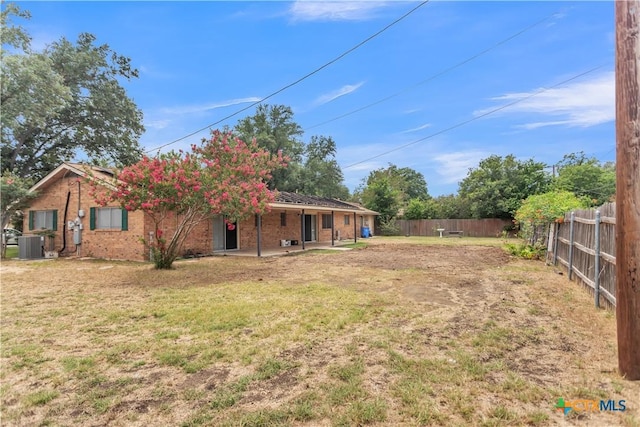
(30,247)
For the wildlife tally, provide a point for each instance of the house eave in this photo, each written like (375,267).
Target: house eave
(299,206)
(62,170)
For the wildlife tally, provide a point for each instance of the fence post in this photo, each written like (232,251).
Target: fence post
(555,244)
(571,226)
(596,264)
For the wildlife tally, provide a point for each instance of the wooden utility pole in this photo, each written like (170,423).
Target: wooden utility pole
(628,186)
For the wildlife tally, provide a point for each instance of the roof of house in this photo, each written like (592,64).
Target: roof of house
(363,209)
(75,169)
(284,199)
(301,199)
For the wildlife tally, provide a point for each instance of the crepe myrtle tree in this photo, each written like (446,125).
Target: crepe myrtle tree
(223,176)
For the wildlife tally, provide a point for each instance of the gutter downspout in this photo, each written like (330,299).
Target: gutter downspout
(64,224)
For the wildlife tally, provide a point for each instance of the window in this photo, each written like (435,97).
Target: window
(43,219)
(347,219)
(283,219)
(108,219)
(326,221)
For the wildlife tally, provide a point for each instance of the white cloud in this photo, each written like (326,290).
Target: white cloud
(586,103)
(167,123)
(156,124)
(334,10)
(201,108)
(428,125)
(330,96)
(455,166)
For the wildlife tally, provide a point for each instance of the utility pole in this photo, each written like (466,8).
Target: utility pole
(628,187)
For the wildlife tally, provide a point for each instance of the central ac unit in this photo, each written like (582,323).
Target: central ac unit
(30,247)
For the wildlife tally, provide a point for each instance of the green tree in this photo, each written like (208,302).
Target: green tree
(321,174)
(381,197)
(388,190)
(14,196)
(586,177)
(408,183)
(403,184)
(416,209)
(497,187)
(274,129)
(449,206)
(12,35)
(538,211)
(64,100)
(412,183)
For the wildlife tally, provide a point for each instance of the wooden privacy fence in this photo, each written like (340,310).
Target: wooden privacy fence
(491,227)
(585,244)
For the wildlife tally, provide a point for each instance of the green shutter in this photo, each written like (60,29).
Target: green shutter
(55,220)
(125,220)
(92,218)
(32,219)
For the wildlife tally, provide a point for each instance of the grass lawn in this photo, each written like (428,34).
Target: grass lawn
(12,252)
(398,331)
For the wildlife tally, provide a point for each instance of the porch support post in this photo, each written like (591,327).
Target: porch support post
(302,228)
(224,235)
(333,232)
(355,229)
(259,240)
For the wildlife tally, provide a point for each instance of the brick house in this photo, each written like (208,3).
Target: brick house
(82,228)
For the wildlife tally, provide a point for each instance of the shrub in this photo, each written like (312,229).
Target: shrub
(389,227)
(526,250)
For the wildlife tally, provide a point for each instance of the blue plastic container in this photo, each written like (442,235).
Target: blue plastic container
(365,232)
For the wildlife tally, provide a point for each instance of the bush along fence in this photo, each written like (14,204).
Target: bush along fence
(585,244)
(491,227)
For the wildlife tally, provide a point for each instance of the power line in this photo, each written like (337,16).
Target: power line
(342,55)
(433,77)
(460,124)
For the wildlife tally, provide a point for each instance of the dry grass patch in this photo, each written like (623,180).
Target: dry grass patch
(401,331)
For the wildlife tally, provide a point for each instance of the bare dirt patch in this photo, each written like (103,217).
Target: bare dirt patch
(397,333)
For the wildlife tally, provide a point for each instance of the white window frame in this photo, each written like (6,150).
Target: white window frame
(114,220)
(43,220)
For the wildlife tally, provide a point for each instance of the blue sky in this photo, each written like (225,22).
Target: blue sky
(201,61)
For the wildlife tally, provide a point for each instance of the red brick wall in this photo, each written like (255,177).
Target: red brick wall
(273,232)
(113,244)
(200,240)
